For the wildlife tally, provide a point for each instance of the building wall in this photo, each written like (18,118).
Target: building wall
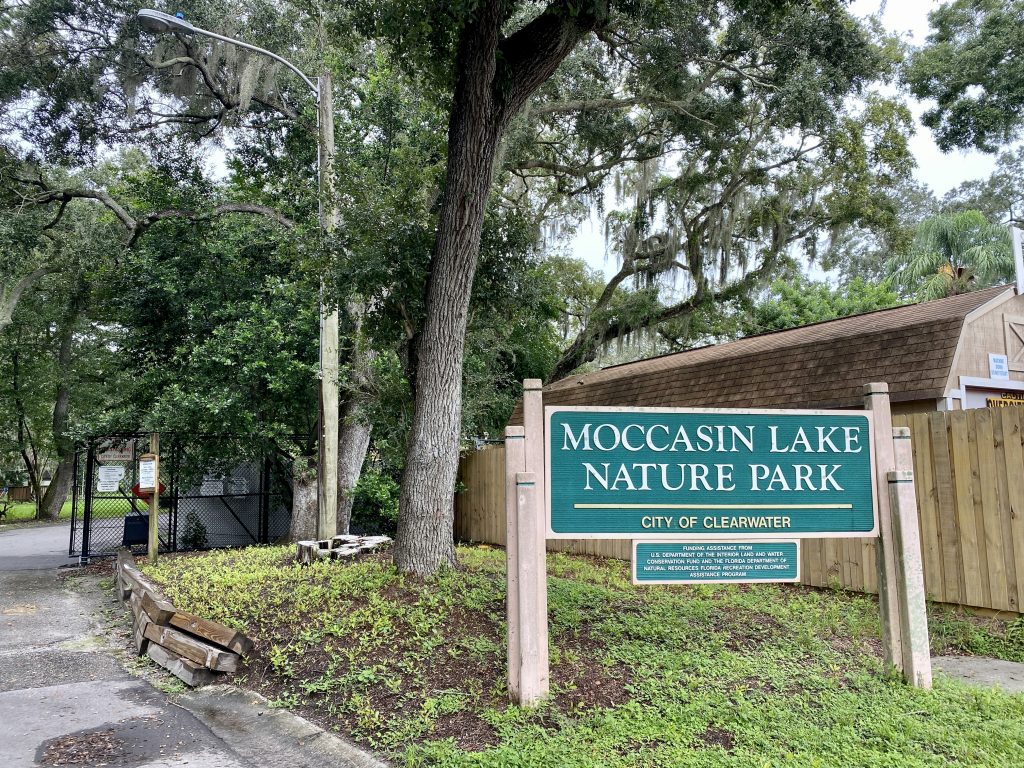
(988,333)
(1000,331)
(914,406)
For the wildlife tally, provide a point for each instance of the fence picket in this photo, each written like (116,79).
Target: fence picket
(969,469)
(991,563)
(927,506)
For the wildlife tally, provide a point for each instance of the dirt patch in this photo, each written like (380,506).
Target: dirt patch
(714,736)
(98,748)
(101,567)
(748,631)
(467,730)
(588,681)
(445,689)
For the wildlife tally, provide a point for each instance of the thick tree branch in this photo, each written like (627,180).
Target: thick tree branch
(532,54)
(595,105)
(150,219)
(136,227)
(586,345)
(9,300)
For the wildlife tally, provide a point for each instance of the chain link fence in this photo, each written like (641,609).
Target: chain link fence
(214,493)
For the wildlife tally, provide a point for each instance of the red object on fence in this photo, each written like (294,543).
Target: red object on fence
(145,494)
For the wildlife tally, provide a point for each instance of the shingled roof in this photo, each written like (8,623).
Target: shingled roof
(824,365)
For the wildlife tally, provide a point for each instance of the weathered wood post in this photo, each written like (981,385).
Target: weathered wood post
(917,661)
(533,624)
(876,400)
(534,600)
(515,462)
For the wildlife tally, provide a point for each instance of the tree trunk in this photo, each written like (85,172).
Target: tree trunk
(29,454)
(354,430)
(60,484)
(353,443)
(59,488)
(425,539)
(304,501)
(34,479)
(495,78)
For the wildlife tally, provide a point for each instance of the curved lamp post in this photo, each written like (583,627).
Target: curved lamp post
(158,22)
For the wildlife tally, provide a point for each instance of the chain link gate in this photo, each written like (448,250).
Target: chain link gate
(206,502)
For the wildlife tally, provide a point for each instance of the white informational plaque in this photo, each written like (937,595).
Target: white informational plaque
(110,478)
(998,366)
(147,473)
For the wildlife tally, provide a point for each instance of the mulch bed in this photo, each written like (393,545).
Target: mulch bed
(98,748)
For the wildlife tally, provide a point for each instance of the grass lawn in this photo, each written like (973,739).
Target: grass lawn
(651,677)
(102,508)
(23,511)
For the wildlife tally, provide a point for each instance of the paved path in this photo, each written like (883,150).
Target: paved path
(37,547)
(983,671)
(64,692)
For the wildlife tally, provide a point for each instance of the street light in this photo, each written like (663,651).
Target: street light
(158,22)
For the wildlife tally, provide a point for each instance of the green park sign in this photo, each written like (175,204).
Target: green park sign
(614,473)
(715,562)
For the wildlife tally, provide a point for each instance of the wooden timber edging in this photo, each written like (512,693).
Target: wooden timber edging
(969,479)
(195,650)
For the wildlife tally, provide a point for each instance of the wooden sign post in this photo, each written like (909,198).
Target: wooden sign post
(876,400)
(525,551)
(149,478)
(721,475)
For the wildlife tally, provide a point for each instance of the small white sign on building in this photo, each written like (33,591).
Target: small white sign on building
(998,366)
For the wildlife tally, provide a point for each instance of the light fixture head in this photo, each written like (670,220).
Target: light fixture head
(159,22)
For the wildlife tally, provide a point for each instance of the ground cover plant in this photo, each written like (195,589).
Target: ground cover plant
(754,675)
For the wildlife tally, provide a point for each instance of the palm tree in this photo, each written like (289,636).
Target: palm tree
(952,254)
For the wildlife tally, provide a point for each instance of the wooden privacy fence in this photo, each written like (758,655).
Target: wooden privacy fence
(969,473)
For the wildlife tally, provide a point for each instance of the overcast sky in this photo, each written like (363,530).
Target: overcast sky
(939,171)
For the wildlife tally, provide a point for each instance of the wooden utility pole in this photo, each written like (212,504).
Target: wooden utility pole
(327,474)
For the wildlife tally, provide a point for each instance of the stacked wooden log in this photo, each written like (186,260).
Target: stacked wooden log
(338,548)
(196,650)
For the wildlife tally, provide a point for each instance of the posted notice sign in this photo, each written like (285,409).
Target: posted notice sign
(615,473)
(147,472)
(715,561)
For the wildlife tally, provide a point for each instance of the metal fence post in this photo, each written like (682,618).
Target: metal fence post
(83,559)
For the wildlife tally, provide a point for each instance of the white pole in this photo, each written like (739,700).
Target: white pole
(533,592)
(533,625)
(1018,259)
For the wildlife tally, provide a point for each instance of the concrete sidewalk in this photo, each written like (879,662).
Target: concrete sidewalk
(66,698)
(39,547)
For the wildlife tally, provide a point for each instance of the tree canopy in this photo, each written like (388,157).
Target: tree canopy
(971,67)
(952,254)
(723,146)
